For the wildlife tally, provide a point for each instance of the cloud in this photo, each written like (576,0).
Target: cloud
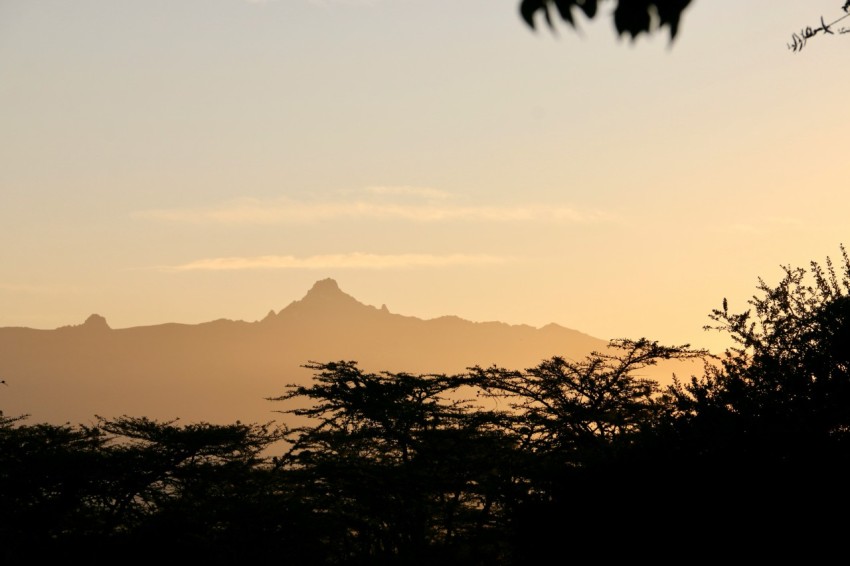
(282,211)
(334,261)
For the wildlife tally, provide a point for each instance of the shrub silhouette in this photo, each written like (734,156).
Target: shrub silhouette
(492,466)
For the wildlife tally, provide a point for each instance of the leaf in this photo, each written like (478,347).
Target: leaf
(565,8)
(632,17)
(588,7)
(670,13)
(528,8)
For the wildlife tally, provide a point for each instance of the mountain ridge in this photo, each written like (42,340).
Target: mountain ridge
(324,293)
(225,370)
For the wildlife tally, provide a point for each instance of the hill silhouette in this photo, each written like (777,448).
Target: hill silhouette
(393,469)
(223,370)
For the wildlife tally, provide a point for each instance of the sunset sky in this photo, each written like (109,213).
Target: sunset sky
(188,160)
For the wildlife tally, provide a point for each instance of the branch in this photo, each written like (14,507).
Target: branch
(799,40)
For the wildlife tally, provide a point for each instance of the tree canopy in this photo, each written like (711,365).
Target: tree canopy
(490,466)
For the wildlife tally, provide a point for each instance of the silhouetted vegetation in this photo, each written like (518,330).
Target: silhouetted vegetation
(800,39)
(493,466)
(631,17)
(634,17)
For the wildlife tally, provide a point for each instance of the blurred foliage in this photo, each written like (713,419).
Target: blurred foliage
(630,17)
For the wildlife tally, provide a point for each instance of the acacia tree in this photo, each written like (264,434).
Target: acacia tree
(199,490)
(49,476)
(185,483)
(406,468)
(579,407)
(398,467)
(583,427)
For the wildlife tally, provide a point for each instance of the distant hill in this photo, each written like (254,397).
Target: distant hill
(223,371)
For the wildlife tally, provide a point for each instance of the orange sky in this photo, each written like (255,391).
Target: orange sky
(187,160)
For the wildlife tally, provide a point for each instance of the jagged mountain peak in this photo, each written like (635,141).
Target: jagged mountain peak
(126,371)
(324,298)
(326,292)
(324,288)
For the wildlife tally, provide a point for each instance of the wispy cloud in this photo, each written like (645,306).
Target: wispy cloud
(281,211)
(334,261)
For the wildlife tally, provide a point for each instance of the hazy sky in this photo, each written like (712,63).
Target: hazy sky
(188,160)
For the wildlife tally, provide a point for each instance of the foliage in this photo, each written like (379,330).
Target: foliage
(398,467)
(774,417)
(577,407)
(49,481)
(634,17)
(97,489)
(790,368)
(489,466)
(579,424)
(631,17)
(406,468)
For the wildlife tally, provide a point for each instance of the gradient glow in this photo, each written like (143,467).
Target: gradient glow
(187,160)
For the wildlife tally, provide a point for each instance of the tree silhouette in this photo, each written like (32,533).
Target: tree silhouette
(582,426)
(766,431)
(50,480)
(790,368)
(398,468)
(202,491)
(492,466)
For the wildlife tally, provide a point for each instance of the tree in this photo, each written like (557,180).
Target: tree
(50,477)
(398,468)
(580,413)
(789,373)
(584,427)
(134,485)
(768,430)
(489,466)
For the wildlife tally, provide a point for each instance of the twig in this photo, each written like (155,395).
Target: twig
(799,40)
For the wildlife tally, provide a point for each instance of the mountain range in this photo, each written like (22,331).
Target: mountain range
(224,370)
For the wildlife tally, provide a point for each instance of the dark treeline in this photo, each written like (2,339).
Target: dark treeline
(494,466)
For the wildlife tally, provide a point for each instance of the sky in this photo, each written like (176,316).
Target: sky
(190,160)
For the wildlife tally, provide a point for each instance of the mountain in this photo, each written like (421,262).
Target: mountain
(223,371)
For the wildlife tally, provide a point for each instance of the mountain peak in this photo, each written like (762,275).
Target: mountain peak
(324,287)
(327,292)
(324,296)
(96,322)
